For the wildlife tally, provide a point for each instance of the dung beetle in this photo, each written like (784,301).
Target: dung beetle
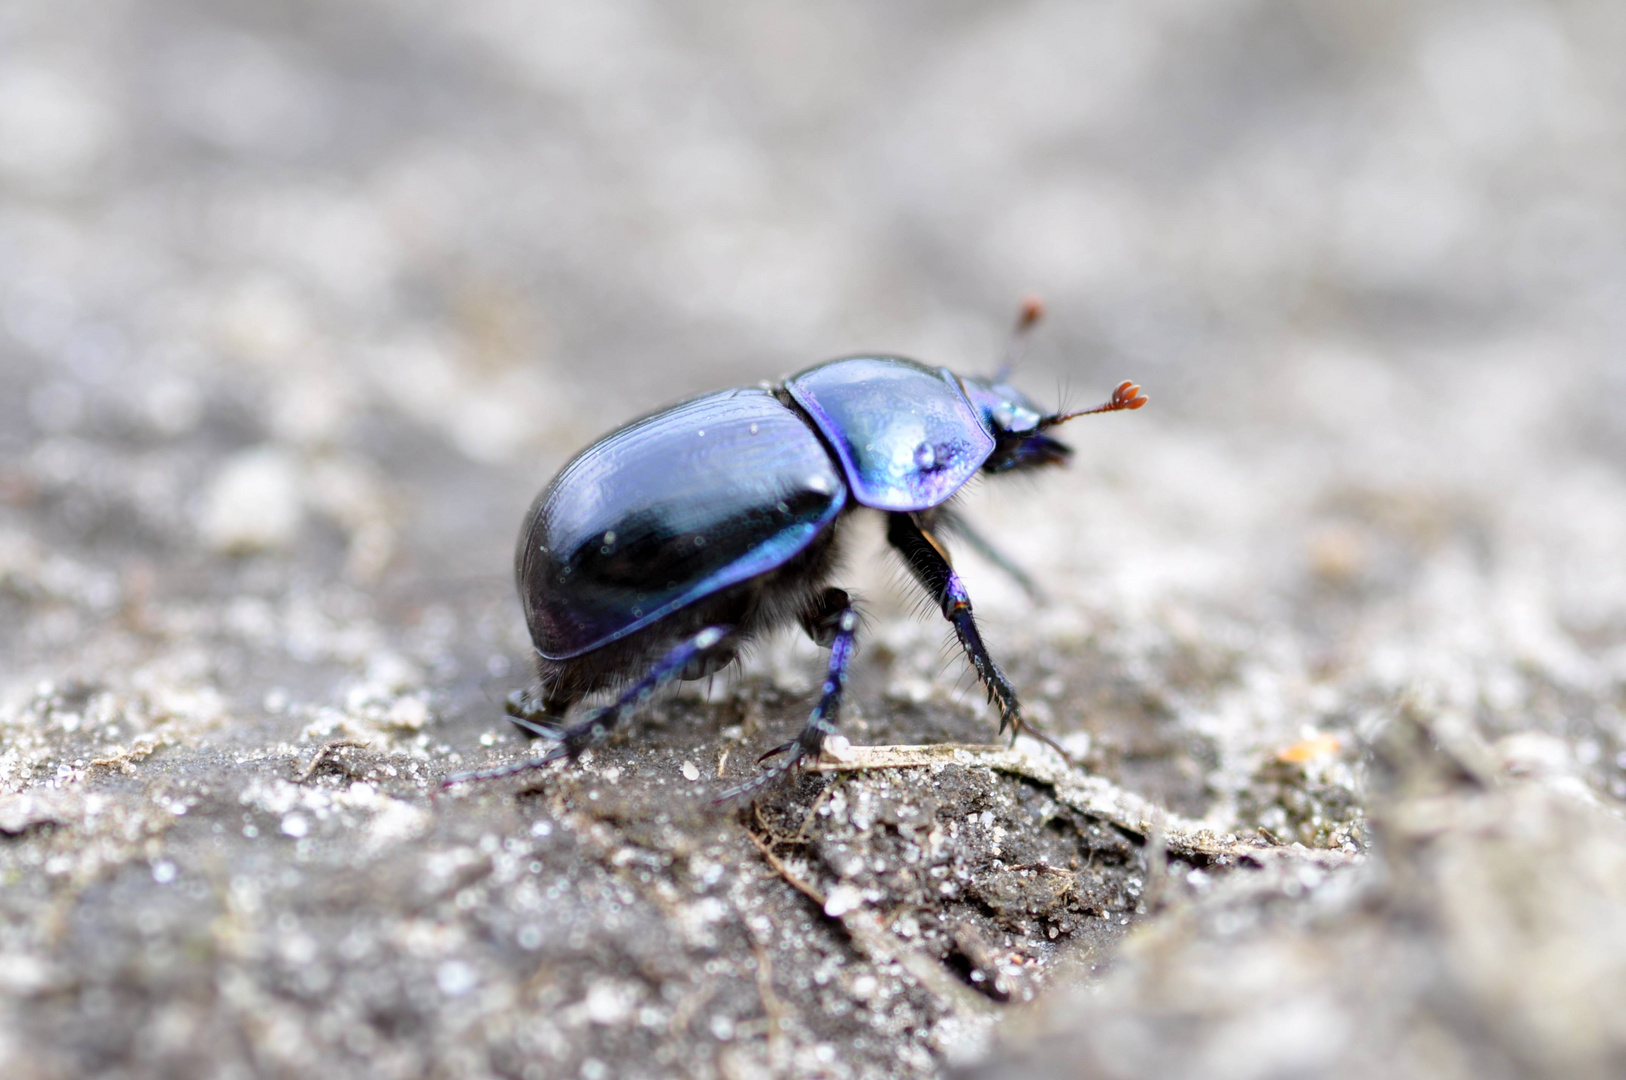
(668,545)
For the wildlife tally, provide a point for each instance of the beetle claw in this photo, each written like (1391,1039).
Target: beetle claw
(1021,726)
(531,715)
(541,731)
(783,748)
(757,783)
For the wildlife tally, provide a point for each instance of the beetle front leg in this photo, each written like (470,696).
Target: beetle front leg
(929,563)
(834,612)
(596,726)
(954,522)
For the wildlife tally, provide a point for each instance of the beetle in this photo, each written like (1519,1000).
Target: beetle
(661,550)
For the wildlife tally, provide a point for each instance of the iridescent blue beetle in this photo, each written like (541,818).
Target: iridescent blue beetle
(664,547)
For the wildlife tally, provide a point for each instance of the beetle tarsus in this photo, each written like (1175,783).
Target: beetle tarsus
(505,770)
(821,723)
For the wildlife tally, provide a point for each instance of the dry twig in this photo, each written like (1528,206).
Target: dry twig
(1092,795)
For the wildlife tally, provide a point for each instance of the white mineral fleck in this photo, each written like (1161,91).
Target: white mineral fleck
(408,712)
(610,1002)
(253,503)
(837,748)
(455,978)
(22,974)
(842,899)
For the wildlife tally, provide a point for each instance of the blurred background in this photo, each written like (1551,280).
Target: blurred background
(497,231)
(300,303)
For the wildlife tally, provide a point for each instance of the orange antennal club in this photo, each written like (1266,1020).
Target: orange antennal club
(1027,316)
(1032,311)
(1126,396)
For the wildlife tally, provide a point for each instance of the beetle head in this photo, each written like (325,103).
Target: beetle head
(1018,425)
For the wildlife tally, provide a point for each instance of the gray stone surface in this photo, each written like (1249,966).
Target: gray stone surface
(300,303)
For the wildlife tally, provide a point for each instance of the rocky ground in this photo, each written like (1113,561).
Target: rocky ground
(300,304)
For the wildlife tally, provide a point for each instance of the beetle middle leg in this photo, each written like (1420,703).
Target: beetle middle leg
(929,563)
(831,620)
(822,619)
(596,726)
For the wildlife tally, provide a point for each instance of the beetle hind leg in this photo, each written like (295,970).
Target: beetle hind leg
(539,716)
(833,611)
(597,725)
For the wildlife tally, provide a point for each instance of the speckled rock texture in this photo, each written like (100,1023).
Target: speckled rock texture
(301,303)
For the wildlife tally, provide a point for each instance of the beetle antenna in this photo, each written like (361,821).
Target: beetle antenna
(1064,393)
(1126,396)
(1027,316)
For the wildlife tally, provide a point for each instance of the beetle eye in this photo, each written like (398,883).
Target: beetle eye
(1013,419)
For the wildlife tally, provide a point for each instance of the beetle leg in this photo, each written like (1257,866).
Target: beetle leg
(958,525)
(822,620)
(596,726)
(538,715)
(928,562)
(704,665)
(822,722)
